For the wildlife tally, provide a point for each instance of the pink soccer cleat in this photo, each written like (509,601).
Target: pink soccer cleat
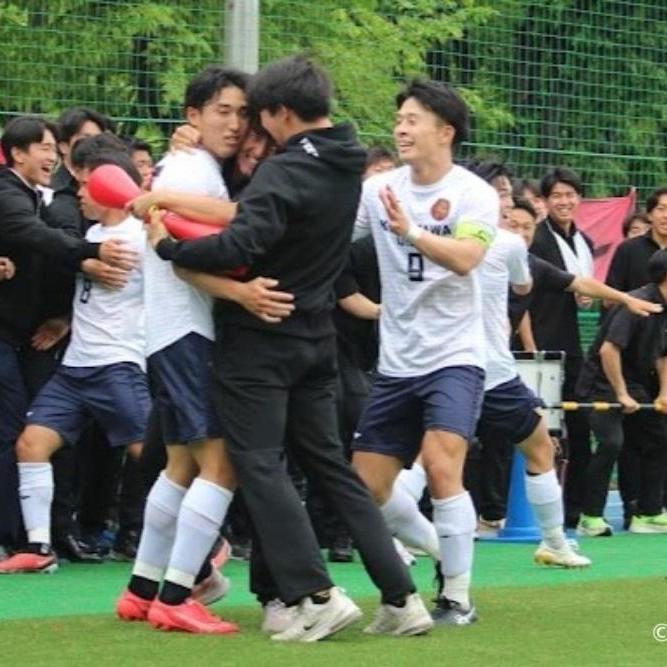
(131,607)
(29,562)
(190,616)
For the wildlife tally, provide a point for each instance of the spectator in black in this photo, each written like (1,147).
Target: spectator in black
(636,224)
(528,189)
(141,154)
(554,316)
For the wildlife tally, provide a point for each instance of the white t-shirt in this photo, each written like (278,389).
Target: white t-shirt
(173,307)
(431,317)
(108,325)
(505,262)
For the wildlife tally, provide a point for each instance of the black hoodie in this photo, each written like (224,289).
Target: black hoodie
(294,223)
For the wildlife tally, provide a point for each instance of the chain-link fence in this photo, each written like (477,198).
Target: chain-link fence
(577,82)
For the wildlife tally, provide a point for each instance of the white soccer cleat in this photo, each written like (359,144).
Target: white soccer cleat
(313,621)
(212,589)
(566,556)
(412,619)
(278,616)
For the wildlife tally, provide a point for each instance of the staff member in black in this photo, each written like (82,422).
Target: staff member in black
(277,381)
(628,364)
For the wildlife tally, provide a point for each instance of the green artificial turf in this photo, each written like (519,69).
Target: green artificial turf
(529,616)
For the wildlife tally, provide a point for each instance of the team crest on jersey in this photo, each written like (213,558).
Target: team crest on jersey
(440,209)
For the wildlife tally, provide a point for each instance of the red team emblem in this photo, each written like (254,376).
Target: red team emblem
(440,209)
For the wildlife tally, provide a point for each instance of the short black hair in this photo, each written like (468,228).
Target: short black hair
(87,147)
(23,131)
(561,175)
(443,101)
(140,145)
(488,170)
(119,158)
(295,83)
(210,81)
(627,223)
(520,185)
(654,198)
(376,154)
(72,120)
(657,266)
(525,205)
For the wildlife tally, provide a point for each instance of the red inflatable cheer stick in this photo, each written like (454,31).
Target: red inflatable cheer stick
(111,186)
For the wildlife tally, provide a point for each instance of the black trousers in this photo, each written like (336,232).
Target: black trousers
(649,444)
(275,389)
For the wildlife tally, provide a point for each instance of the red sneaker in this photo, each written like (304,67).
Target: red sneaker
(131,607)
(29,562)
(190,616)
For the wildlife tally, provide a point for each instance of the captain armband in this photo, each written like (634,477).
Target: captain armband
(478,231)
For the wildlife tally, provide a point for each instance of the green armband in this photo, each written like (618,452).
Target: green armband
(478,231)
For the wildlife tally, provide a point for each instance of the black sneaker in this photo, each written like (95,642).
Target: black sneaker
(341,550)
(75,550)
(125,545)
(448,612)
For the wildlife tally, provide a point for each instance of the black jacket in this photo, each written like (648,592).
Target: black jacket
(294,223)
(64,211)
(32,245)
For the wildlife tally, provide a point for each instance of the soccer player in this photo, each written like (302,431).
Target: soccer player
(101,377)
(432,222)
(188,503)
(277,381)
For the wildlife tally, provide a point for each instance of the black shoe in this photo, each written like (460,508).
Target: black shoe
(448,612)
(240,548)
(341,550)
(438,581)
(629,510)
(125,546)
(77,551)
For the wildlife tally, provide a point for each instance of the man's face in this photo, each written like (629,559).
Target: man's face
(562,203)
(254,149)
(419,133)
(222,121)
(521,222)
(536,202)
(384,164)
(658,217)
(503,187)
(36,163)
(637,228)
(89,207)
(144,163)
(88,129)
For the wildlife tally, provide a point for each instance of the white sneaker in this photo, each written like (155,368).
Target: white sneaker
(278,616)
(413,619)
(317,621)
(566,556)
(212,589)
(404,554)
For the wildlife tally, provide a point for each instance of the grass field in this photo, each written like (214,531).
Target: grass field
(529,616)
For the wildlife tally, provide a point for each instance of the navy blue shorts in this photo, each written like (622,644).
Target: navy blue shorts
(183,374)
(115,396)
(509,410)
(401,410)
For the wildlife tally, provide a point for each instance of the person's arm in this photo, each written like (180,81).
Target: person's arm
(360,306)
(460,254)
(661,400)
(594,288)
(525,331)
(610,356)
(259,224)
(258,296)
(201,208)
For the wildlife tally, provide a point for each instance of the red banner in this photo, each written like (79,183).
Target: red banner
(602,221)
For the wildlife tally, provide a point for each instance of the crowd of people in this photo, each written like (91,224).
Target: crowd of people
(330,367)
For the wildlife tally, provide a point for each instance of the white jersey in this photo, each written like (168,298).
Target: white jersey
(173,307)
(505,262)
(108,325)
(431,317)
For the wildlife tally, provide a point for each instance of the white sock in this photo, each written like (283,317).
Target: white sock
(202,512)
(36,496)
(413,481)
(403,518)
(455,521)
(546,498)
(157,536)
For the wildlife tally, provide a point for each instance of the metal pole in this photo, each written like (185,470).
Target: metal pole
(242,34)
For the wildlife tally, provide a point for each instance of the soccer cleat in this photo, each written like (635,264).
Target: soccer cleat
(566,556)
(131,607)
(412,619)
(278,616)
(594,526)
(222,552)
(489,527)
(313,622)
(25,562)
(449,612)
(125,546)
(212,589)
(189,616)
(645,525)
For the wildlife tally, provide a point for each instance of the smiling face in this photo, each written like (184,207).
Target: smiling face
(562,203)
(658,217)
(36,162)
(419,133)
(222,121)
(523,223)
(255,147)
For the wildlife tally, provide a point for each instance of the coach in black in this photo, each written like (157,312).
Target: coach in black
(277,381)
